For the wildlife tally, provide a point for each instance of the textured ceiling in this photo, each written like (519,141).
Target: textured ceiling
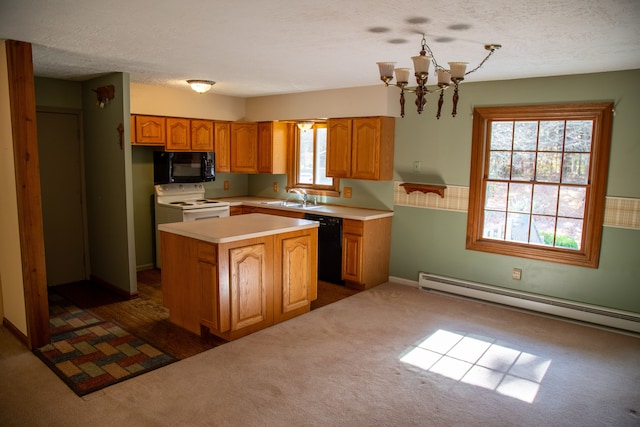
(259,47)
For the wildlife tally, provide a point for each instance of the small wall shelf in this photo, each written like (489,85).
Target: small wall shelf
(410,187)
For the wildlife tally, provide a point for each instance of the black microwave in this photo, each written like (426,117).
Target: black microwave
(183,167)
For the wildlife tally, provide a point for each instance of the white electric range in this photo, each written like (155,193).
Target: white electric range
(184,203)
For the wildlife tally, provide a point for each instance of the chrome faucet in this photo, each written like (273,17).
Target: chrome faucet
(303,195)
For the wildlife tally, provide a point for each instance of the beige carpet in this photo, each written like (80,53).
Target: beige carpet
(390,356)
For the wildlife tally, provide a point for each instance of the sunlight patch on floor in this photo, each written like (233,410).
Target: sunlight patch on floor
(479,362)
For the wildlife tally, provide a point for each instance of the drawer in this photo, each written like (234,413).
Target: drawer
(351,226)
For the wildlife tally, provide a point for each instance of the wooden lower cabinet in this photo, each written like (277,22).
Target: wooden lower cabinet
(237,288)
(250,283)
(235,210)
(366,248)
(295,270)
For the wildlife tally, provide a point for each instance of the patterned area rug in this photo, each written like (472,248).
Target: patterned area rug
(88,353)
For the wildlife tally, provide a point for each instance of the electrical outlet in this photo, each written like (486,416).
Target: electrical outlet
(416,166)
(346,192)
(275,187)
(226,185)
(516,274)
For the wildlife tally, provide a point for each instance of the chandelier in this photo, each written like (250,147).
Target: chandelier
(454,75)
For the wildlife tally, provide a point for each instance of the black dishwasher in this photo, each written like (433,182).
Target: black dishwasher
(329,248)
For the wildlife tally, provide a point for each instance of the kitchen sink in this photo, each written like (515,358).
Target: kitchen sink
(288,204)
(282,203)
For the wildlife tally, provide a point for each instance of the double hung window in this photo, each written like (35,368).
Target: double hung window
(538,181)
(310,162)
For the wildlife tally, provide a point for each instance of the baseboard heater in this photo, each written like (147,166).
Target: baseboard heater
(568,309)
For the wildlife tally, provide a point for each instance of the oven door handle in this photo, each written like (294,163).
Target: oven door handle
(197,214)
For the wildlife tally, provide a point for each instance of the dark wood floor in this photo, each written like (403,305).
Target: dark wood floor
(146,317)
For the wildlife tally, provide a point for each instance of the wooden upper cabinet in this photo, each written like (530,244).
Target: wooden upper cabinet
(178,134)
(201,135)
(272,147)
(339,148)
(189,135)
(372,148)
(244,147)
(150,130)
(361,148)
(222,147)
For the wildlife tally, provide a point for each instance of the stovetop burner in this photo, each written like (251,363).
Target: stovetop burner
(186,197)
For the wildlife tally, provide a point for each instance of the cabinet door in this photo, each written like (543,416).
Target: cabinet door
(222,146)
(249,268)
(178,134)
(201,135)
(365,148)
(208,283)
(272,147)
(296,271)
(244,147)
(150,130)
(339,148)
(352,257)
(207,274)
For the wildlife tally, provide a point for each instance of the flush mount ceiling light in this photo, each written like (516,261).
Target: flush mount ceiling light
(201,86)
(454,75)
(305,125)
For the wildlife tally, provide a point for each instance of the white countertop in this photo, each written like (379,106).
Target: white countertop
(347,212)
(239,227)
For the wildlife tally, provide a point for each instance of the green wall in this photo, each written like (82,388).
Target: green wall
(108,173)
(434,241)
(54,93)
(142,170)
(108,176)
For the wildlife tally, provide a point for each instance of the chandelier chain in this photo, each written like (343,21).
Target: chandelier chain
(481,63)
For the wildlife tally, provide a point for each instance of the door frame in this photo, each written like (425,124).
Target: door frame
(22,102)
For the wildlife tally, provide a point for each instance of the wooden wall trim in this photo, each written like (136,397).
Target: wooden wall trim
(25,146)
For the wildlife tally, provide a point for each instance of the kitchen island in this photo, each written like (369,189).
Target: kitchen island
(235,275)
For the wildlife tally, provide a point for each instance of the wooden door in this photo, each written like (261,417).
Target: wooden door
(339,148)
(222,148)
(244,147)
(208,283)
(352,250)
(249,267)
(62,183)
(296,273)
(365,148)
(178,134)
(150,130)
(265,147)
(201,135)
(272,147)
